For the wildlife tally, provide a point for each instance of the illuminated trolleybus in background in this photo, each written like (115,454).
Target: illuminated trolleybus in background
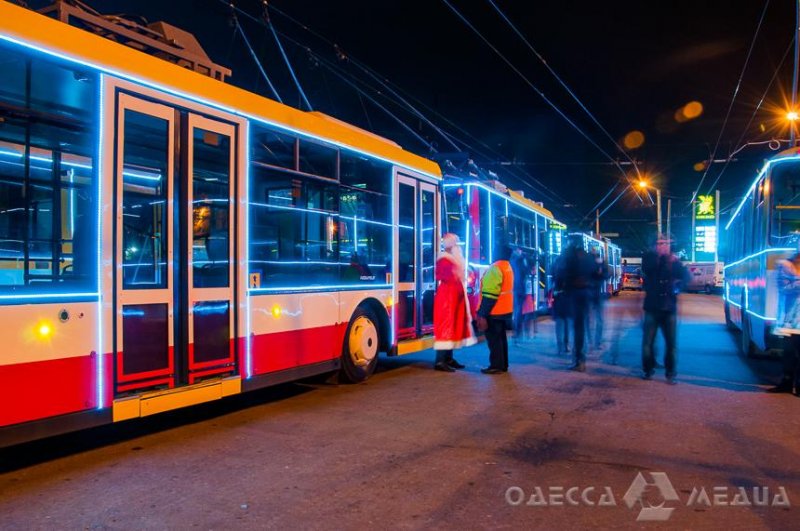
(764,228)
(486,215)
(612,257)
(167,239)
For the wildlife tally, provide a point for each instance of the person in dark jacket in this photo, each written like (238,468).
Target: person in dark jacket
(663,276)
(562,308)
(576,277)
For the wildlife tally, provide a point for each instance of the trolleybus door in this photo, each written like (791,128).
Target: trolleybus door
(209,223)
(429,244)
(144,245)
(173,248)
(406,257)
(417,243)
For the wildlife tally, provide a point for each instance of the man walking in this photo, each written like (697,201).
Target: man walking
(663,275)
(576,277)
(495,311)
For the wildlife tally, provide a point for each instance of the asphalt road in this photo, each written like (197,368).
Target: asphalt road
(539,447)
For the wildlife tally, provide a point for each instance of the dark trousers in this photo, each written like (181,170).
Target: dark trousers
(519,318)
(791,363)
(498,343)
(667,322)
(580,308)
(562,333)
(444,356)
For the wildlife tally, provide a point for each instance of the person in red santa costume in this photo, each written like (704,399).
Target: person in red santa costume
(452,318)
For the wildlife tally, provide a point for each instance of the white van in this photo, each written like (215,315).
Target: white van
(705,276)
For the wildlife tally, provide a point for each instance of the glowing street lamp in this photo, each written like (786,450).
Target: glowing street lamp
(645,185)
(792,116)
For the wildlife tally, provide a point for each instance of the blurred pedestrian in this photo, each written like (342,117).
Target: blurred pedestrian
(597,298)
(789,289)
(496,310)
(452,319)
(521,269)
(663,276)
(576,276)
(562,309)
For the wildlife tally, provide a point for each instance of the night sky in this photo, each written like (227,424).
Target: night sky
(632,63)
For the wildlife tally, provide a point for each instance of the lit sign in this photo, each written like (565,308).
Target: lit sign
(705,239)
(557,225)
(705,207)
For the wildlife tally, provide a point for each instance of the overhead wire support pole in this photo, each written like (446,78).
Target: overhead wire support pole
(285,57)
(252,52)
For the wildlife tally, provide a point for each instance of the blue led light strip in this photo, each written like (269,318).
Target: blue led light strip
(760,174)
(100,377)
(763,251)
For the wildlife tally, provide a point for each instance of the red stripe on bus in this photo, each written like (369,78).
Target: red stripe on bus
(286,350)
(41,389)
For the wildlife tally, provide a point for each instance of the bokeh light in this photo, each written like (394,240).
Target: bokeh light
(690,111)
(633,140)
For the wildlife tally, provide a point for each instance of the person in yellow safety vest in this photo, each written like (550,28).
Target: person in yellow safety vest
(496,310)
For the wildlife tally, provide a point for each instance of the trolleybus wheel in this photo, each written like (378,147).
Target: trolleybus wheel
(361,344)
(708,289)
(728,321)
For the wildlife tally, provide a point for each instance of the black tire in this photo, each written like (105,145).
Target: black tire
(708,289)
(361,346)
(728,321)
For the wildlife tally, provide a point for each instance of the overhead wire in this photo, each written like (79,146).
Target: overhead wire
(526,176)
(536,89)
(733,100)
(739,145)
(342,75)
(271,27)
(252,52)
(570,92)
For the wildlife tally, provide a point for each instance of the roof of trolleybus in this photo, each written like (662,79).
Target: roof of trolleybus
(33,30)
(514,197)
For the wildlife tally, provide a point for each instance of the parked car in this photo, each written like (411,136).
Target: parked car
(632,278)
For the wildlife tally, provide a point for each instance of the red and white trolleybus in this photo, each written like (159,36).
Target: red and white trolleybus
(167,239)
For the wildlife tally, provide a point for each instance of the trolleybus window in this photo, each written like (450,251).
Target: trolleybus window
(293,229)
(317,159)
(273,148)
(144,201)
(211,209)
(47,143)
(785,182)
(365,229)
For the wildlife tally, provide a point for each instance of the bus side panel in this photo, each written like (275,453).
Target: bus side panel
(350,300)
(49,366)
(290,330)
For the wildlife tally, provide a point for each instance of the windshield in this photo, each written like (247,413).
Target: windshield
(785,183)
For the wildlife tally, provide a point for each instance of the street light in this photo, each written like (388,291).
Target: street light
(644,185)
